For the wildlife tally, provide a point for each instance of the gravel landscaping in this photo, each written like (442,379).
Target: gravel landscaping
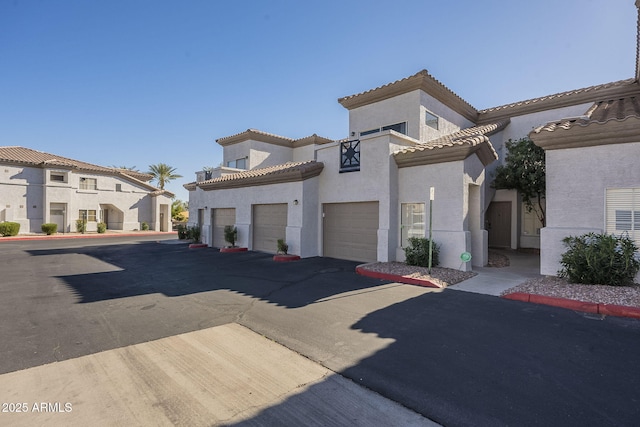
(442,277)
(556,287)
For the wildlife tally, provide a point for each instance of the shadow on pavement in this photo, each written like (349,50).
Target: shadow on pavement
(495,363)
(175,270)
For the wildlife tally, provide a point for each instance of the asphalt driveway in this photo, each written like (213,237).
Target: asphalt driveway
(455,357)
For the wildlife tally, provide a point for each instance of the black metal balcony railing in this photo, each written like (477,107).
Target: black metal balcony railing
(350,156)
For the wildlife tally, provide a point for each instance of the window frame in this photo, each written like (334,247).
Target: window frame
(430,118)
(89,214)
(619,202)
(82,184)
(410,228)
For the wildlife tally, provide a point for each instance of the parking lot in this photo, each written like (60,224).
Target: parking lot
(455,357)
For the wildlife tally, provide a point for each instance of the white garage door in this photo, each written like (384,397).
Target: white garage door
(269,225)
(221,217)
(350,231)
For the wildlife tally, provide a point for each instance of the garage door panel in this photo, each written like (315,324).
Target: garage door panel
(221,218)
(269,225)
(350,231)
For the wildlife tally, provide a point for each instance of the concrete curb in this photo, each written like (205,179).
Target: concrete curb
(86,236)
(394,277)
(587,307)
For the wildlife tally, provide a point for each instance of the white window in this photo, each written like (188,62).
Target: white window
(431,120)
(412,222)
(623,212)
(58,177)
(88,215)
(238,163)
(88,183)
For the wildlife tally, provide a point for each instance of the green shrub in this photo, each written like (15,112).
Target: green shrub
(600,259)
(283,248)
(81,226)
(193,233)
(49,228)
(9,229)
(230,235)
(417,253)
(144,226)
(182,232)
(102,227)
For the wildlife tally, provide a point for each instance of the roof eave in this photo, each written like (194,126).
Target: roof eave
(606,91)
(420,81)
(589,135)
(276,178)
(485,152)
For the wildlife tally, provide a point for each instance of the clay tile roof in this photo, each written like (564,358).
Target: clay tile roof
(421,80)
(312,139)
(455,146)
(34,158)
(28,156)
(287,172)
(572,97)
(606,122)
(256,135)
(601,112)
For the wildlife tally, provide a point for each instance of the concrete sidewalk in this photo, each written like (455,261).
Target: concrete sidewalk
(225,375)
(493,281)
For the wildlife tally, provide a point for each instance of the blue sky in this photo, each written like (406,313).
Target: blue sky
(134,83)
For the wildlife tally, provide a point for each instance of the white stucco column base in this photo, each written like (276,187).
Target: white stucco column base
(244,236)
(293,240)
(479,248)
(383,245)
(205,235)
(552,248)
(452,245)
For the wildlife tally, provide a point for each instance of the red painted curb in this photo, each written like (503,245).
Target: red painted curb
(518,296)
(619,310)
(586,307)
(286,258)
(395,278)
(198,245)
(86,236)
(231,250)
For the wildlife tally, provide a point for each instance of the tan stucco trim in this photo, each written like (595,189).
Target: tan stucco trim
(299,174)
(420,81)
(619,89)
(452,153)
(589,135)
(255,135)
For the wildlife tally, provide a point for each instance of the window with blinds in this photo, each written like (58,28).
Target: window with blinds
(623,212)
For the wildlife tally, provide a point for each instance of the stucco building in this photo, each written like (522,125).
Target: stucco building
(361,198)
(38,187)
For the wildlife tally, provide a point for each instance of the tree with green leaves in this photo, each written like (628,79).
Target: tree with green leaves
(177,208)
(524,170)
(163,174)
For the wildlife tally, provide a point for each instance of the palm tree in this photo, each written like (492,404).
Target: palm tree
(163,174)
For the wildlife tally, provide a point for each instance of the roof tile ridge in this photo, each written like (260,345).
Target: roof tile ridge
(558,95)
(422,73)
